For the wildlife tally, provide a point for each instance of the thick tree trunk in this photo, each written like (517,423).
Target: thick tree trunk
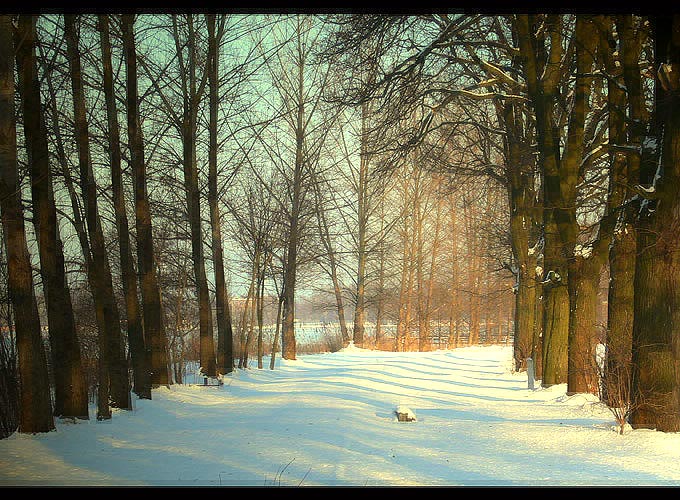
(525,315)
(118,370)
(521,199)
(36,405)
(70,394)
(656,343)
(156,344)
(584,283)
(103,409)
(555,304)
(135,328)
(622,254)
(225,357)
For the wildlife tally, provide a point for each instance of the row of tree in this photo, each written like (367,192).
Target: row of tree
(408,165)
(580,116)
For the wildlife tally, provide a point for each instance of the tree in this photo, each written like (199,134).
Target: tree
(299,91)
(135,327)
(192,87)
(656,343)
(155,339)
(622,253)
(70,388)
(36,405)
(225,357)
(543,70)
(112,340)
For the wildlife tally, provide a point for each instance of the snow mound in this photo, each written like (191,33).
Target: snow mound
(405,414)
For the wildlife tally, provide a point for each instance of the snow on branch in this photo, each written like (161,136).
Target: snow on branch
(502,75)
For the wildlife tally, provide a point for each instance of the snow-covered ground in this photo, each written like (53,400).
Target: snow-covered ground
(330,420)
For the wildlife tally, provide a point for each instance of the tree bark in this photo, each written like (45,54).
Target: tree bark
(103,409)
(36,405)
(225,357)
(583,274)
(118,370)
(656,343)
(289,347)
(275,342)
(70,391)
(622,254)
(135,328)
(584,283)
(193,197)
(324,233)
(156,343)
(362,219)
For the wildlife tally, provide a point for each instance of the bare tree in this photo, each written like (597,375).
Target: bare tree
(225,357)
(156,343)
(70,398)
(36,405)
(135,327)
(113,344)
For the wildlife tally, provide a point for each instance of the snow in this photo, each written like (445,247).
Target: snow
(584,251)
(329,420)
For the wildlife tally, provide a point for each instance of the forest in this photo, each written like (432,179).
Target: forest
(178,187)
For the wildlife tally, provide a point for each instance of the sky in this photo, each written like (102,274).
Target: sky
(330,420)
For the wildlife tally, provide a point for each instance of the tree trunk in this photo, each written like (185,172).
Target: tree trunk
(36,405)
(362,219)
(103,409)
(135,328)
(380,299)
(622,254)
(260,318)
(193,197)
(333,268)
(70,391)
(289,347)
(453,292)
(118,370)
(275,343)
(584,283)
(225,357)
(156,344)
(521,199)
(656,343)
(401,319)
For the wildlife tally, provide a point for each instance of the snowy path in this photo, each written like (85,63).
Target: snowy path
(329,420)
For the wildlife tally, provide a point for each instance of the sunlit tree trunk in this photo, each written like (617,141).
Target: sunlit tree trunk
(362,220)
(453,285)
(118,370)
(191,97)
(324,233)
(156,344)
(36,405)
(584,273)
(225,357)
(70,391)
(656,342)
(135,328)
(622,254)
